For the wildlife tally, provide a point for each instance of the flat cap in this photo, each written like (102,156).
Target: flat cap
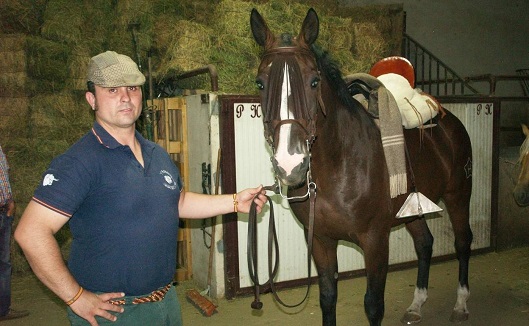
(110,69)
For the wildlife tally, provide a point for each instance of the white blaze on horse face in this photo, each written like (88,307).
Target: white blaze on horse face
(285,160)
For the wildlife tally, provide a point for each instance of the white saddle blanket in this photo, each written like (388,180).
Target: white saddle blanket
(416,107)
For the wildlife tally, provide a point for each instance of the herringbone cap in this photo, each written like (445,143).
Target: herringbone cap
(110,69)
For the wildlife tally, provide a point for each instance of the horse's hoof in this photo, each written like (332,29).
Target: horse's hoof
(411,318)
(458,316)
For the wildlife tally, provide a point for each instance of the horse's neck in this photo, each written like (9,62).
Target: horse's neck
(348,129)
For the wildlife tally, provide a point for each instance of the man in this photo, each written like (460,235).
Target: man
(7,212)
(122,196)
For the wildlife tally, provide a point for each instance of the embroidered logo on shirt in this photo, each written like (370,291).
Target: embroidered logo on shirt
(169,180)
(48,180)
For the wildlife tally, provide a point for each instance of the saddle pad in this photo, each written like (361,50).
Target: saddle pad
(415,106)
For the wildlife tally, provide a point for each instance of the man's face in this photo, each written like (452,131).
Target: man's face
(116,107)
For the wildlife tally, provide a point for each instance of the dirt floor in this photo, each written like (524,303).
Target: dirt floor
(499,296)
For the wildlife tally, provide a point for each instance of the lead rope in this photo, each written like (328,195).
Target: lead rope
(272,242)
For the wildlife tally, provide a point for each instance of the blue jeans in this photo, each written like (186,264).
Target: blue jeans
(5,264)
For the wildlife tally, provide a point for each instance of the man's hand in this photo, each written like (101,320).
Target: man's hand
(11,208)
(90,305)
(244,199)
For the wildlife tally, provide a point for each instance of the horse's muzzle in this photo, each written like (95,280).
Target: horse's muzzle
(296,176)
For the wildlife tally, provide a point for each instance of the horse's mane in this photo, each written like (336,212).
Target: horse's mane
(332,72)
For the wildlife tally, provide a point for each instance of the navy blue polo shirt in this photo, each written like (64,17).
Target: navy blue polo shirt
(123,217)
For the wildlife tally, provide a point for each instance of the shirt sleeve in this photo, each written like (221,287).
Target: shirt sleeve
(64,185)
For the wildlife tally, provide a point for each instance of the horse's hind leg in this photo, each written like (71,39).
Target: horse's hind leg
(325,258)
(423,241)
(458,209)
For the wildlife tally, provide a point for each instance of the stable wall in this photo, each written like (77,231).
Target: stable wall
(472,37)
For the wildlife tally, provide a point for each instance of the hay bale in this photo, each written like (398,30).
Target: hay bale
(183,45)
(61,116)
(237,54)
(63,21)
(369,47)
(12,61)
(12,42)
(234,51)
(13,84)
(132,26)
(46,64)
(21,16)
(378,29)
(98,25)
(11,107)
(78,67)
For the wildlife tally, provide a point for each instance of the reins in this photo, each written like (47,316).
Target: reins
(273,244)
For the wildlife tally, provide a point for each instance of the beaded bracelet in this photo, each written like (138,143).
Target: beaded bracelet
(235,203)
(72,300)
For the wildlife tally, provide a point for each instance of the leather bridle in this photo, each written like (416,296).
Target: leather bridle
(309,127)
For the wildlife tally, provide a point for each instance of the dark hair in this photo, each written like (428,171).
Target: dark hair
(91,87)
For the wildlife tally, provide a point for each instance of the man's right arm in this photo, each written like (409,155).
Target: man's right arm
(35,235)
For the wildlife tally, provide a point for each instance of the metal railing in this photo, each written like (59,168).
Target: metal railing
(431,74)
(525,81)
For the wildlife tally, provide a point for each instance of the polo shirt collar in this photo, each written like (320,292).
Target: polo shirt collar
(105,139)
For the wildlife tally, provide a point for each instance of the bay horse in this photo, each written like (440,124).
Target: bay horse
(320,135)
(521,190)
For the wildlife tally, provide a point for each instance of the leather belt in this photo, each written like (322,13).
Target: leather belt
(154,296)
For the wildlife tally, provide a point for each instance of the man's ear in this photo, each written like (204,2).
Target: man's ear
(91,99)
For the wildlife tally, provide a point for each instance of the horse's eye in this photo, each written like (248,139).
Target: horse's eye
(315,83)
(259,84)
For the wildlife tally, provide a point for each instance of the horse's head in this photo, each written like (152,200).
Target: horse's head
(288,80)
(521,190)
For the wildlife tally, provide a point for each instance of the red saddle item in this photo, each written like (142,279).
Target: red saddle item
(397,65)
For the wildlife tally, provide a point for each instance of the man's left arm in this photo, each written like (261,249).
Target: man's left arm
(196,206)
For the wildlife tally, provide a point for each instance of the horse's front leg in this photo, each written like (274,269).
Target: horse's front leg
(376,253)
(423,241)
(325,258)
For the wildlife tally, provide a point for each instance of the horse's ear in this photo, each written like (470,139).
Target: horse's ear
(525,130)
(310,28)
(260,30)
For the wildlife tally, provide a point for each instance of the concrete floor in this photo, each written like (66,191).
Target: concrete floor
(499,296)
